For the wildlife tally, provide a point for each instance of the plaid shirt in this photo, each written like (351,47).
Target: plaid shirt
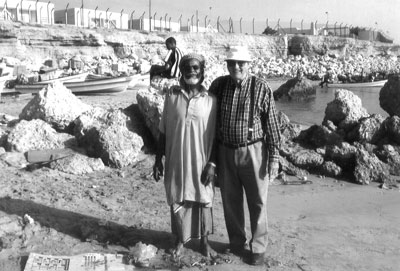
(234,113)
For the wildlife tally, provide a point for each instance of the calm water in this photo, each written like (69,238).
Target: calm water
(313,111)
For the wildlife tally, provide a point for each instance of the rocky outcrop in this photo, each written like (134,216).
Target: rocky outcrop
(296,89)
(56,105)
(36,135)
(389,96)
(345,110)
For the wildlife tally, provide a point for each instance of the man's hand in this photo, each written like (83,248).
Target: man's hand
(273,168)
(158,170)
(208,174)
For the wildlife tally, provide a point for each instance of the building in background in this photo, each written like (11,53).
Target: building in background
(27,11)
(156,25)
(90,18)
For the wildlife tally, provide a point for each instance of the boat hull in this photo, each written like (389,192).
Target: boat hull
(109,85)
(358,85)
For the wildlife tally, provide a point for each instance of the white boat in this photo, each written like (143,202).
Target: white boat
(358,85)
(89,86)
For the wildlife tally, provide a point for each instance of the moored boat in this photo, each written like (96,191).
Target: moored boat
(96,86)
(358,85)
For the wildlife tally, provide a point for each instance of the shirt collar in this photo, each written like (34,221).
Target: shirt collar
(242,83)
(203,91)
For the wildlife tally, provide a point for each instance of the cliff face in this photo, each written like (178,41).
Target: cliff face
(36,43)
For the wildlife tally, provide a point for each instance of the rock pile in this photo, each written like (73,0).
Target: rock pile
(350,141)
(98,137)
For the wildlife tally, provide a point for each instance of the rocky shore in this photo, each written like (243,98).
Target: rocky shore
(82,170)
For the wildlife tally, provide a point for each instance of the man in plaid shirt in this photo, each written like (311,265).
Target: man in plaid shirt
(248,151)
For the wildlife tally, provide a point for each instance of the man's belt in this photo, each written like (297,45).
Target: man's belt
(240,145)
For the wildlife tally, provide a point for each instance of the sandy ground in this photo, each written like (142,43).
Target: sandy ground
(327,225)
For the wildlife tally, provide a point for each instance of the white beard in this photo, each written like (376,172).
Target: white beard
(192,80)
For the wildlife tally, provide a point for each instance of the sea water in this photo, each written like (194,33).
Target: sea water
(312,111)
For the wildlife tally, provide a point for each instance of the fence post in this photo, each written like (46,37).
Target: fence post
(335,28)
(66,15)
(278,24)
(205,21)
(253,26)
(120,19)
(340,29)
(302,25)
(218,24)
(290,26)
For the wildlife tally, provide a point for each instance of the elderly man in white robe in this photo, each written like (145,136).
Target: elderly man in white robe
(187,130)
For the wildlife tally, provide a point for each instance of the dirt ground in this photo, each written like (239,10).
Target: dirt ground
(327,225)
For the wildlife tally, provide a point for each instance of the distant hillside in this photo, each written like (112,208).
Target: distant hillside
(36,43)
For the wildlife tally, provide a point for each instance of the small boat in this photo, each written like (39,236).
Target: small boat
(373,84)
(89,86)
(79,77)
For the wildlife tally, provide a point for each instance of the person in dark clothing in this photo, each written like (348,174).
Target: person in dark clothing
(171,67)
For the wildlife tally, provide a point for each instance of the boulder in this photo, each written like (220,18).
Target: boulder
(151,105)
(390,155)
(77,164)
(36,135)
(331,169)
(345,110)
(369,168)
(104,134)
(319,136)
(291,169)
(342,154)
(306,159)
(56,105)
(392,128)
(288,130)
(297,89)
(368,130)
(389,96)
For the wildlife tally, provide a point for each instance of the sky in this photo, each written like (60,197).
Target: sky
(376,14)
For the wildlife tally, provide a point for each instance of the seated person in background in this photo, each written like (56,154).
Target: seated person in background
(171,67)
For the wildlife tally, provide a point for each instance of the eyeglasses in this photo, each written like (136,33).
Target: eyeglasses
(189,68)
(233,63)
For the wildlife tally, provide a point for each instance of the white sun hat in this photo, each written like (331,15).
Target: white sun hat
(239,53)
